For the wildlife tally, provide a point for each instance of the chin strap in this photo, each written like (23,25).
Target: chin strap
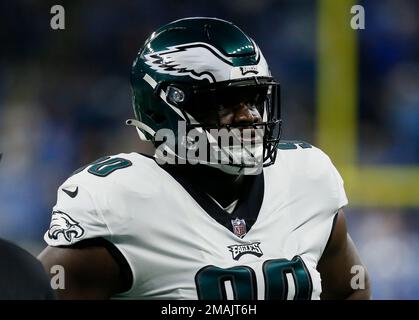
(141,126)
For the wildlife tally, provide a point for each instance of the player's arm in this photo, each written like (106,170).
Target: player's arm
(336,262)
(91,272)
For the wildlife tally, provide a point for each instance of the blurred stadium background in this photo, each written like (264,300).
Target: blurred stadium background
(64,96)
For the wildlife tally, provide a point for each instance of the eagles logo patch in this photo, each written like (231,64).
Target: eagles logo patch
(191,59)
(237,250)
(62,223)
(200,60)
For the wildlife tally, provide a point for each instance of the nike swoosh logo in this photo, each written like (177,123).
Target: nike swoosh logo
(71,194)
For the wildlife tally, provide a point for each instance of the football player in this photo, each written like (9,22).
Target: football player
(198,218)
(21,275)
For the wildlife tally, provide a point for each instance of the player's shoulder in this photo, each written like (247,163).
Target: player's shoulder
(302,158)
(306,171)
(25,278)
(108,171)
(12,251)
(302,151)
(87,200)
(16,256)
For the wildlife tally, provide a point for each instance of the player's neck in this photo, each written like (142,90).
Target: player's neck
(223,187)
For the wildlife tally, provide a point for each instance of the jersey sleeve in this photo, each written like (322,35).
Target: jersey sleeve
(325,182)
(317,192)
(332,186)
(75,216)
(338,185)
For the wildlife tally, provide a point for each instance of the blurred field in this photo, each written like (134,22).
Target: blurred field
(64,97)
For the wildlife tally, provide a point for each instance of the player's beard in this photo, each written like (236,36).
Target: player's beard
(243,156)
(234,151)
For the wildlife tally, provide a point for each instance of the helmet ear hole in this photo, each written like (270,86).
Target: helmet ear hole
(156,117)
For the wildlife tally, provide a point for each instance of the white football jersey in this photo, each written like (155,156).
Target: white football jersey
(179,244)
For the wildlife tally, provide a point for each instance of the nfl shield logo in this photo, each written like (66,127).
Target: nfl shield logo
(239,227)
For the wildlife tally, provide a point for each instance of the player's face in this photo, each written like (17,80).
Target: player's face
(244,113)
(238,107)
(246,146)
